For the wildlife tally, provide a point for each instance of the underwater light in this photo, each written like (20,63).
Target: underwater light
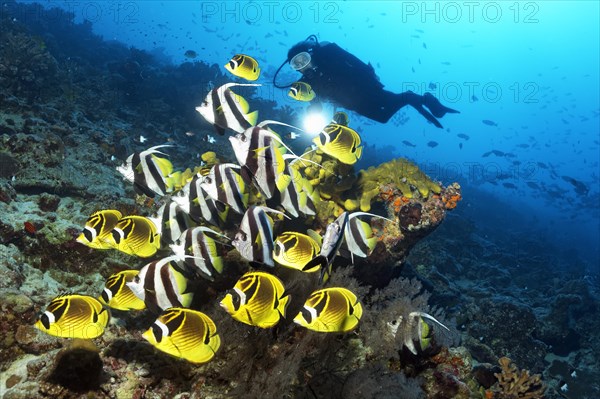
(314,119)
(314,122)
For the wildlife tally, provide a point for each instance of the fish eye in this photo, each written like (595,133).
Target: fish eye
(306,315)
(45,321)
(157,332)
(136,279)
(88,235)
(207,180)
(205,103)
(235,300)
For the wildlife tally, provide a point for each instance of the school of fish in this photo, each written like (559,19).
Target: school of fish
(190,230)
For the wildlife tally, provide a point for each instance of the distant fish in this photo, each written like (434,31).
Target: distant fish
(524,145)
(432,144)
(533,185)
(509,185)
(432,86)
(190,54)
(301,91)
(408,143)
(446,63)
(474,98)
(341,118)
(424,45)
(497,153)
(489,122)
(463,136)
(209,139)
(580,187)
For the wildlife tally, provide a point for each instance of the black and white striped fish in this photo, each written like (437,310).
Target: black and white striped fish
(254,239)
(226,185)
(172,221)
(226,110)
(194,200)
(161,286)
(299,197)
(198,252)
(149,173)
(358,236)
(258,153)
(332,240)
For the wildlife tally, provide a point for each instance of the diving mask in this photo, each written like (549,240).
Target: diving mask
(300,61)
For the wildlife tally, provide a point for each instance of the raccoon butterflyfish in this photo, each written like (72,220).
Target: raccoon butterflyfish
(74,316)
(257,299)
(243,66)
(186,334)
(341,118)
(98,228)
(340,142)
(226,110)
(333,309)
(118,295)
(301,91)
(161,286)
(136,235)
(295,250)
(150,174)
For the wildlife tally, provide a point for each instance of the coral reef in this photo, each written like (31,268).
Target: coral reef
(517,384)
(60,150)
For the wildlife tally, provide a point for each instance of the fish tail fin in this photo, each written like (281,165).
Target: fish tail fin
(283,304)
(325,273)
(315,263)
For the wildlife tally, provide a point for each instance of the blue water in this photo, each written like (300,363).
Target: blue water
(530,67)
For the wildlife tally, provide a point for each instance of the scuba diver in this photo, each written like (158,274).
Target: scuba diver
(340,77)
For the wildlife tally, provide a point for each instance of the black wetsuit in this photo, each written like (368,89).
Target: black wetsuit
(342,78)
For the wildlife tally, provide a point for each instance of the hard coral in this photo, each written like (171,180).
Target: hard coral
(26,65)
(517,384)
